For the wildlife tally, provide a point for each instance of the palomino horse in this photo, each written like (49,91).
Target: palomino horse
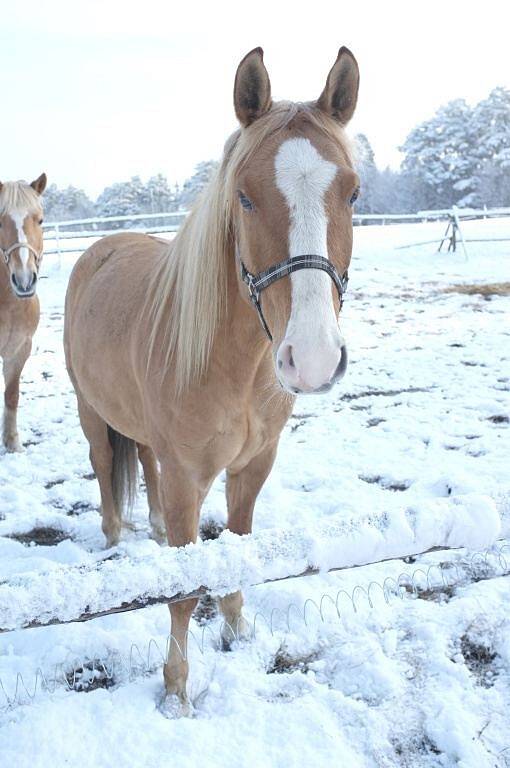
(194,350)
(21,245)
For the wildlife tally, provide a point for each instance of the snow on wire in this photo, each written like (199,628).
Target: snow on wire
(85,674)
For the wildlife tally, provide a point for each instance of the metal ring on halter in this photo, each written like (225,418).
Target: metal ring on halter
(6,252)
(257,283)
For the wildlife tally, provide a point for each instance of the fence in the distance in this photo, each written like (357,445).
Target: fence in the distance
(63,232)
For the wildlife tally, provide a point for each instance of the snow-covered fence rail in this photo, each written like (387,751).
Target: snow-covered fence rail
(232,562)
(170,221)
(77,229)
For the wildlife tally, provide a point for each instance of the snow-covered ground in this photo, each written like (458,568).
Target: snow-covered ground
(422,414)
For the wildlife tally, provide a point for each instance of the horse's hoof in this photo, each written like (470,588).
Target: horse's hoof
(173,706)
(111,540)
(230,635)
(158,529)
(13,445)
(159,535)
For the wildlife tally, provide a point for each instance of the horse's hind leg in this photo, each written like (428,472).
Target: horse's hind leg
(242,490)
(101,458)
(151,475)
(12,368)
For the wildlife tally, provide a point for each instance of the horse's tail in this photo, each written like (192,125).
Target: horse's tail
(124,471)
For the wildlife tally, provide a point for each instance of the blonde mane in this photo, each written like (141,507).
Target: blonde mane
(19,196)
(188,292)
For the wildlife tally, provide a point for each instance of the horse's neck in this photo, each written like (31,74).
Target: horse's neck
(240,331)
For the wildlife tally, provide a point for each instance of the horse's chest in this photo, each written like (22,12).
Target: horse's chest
(18,322)
(230,435)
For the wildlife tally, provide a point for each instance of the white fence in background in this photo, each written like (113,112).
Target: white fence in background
(170,221)
(60,231)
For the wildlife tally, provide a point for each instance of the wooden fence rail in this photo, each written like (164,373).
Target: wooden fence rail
(115,583)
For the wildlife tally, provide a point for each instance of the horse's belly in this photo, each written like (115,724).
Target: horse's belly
(116,401)
(101,315)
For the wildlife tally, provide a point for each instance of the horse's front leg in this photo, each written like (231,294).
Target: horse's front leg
(243,487)
(181,500)
(12,368)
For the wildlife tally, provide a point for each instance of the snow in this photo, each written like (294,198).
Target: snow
(232,562)
(416,435)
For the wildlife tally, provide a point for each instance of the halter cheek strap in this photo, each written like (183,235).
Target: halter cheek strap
(6,252)
(257,283)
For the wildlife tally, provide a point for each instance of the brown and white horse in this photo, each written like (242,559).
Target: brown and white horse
(21,246)
(165,348)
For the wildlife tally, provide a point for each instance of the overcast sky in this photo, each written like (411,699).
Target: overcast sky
(97,91)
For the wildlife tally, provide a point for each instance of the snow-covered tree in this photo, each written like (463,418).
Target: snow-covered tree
(122,198)
(68,203)
(440,154)
(367,172)
(192,187)
(462,155)
(491,118)
(158,196)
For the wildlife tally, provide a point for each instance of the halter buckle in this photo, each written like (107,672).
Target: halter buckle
(252,288)
(249,279)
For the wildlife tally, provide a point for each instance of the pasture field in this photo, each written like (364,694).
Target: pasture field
(423,681)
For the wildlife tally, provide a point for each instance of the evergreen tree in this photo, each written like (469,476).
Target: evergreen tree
(192,187)
(158,197)
(492,126)
(462,155)
(65,204)
(440,154)
(367,172)
(122,198)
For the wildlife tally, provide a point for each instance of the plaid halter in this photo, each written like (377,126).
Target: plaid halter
(257,283)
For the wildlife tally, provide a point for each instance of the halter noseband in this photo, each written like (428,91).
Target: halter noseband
(257,283)
(6,252)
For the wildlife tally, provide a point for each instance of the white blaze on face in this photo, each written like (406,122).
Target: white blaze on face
(303,176)
(18,218)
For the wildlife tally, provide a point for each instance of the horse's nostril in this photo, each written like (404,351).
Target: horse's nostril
(285,359)
(342,365)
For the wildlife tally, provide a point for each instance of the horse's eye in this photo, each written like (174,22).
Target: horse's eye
(245,201)
(354,196)
(41,221)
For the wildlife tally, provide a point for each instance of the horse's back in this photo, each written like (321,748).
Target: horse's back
(127,250)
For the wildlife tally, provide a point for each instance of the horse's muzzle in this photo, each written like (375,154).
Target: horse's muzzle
(298,387)
(341,368)
(24,289)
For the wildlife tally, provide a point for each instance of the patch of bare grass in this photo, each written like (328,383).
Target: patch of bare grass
(479,289)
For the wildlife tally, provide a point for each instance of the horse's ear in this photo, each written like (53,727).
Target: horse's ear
(40,184)
(340,95)
(252,89)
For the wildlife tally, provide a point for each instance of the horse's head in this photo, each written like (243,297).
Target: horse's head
(295,188)
(21,238)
